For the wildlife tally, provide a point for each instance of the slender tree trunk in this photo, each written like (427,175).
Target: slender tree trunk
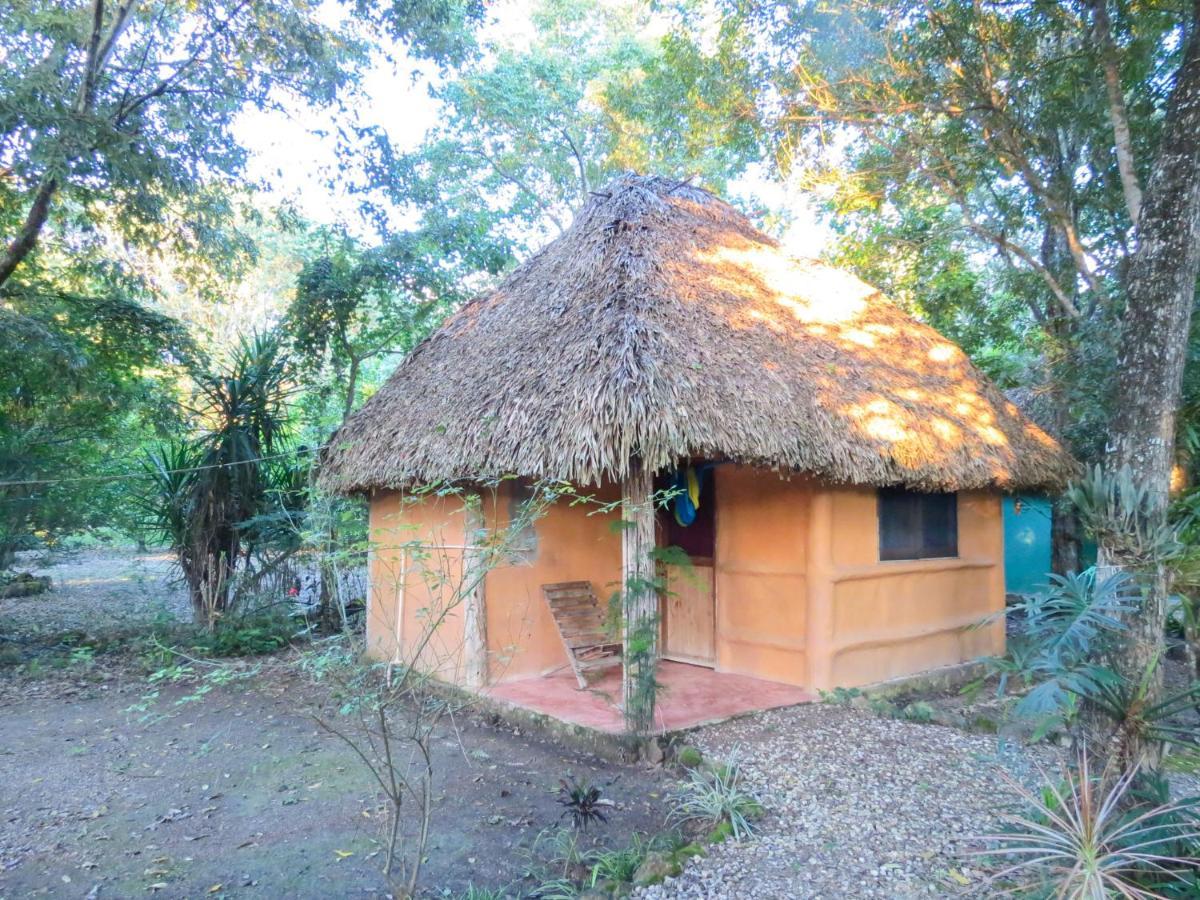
(1160,295)
(22,245)
(1117,115)
(1061,330)
(351,387)
(640,599)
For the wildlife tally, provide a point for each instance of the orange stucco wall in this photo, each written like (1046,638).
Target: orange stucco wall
(567,543)
(570,543)
(415,583)
(761,574)
(872,620)
(801,596)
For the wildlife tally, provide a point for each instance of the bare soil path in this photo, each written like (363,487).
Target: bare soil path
(240,794)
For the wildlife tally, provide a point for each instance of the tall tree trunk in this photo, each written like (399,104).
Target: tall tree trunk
(1161,292)
(640,599)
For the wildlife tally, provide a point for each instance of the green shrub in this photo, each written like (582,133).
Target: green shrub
(840,696)
(689,757)
(247,637)
(920,711)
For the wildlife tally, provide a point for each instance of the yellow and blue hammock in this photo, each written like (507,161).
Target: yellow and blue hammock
(686,500)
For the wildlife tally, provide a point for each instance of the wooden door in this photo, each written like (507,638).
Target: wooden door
(689,615)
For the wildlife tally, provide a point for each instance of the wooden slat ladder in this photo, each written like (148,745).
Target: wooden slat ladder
(580,622)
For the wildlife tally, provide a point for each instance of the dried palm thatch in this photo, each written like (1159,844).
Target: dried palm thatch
(663,324)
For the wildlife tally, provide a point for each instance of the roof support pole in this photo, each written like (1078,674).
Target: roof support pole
(639,598)
(474,598)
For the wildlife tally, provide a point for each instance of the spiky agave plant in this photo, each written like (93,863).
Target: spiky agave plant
(1085,837)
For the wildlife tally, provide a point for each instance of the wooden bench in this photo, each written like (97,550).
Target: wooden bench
(580,621)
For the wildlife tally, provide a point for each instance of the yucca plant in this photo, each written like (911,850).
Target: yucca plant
(1087,837)
(205,494)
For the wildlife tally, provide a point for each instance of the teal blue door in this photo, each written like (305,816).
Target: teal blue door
(1026,543)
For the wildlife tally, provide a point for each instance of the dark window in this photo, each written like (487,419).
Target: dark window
(917,526)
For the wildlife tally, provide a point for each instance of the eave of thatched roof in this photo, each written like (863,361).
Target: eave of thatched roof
(663,324)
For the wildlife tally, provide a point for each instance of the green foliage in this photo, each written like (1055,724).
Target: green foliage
(1140,717)
(535,123)
(140,136)
(1122,515)
(477,893)
(1064,632)
(252,636)
(619,864)
(841,696)
(712,796)
(1090,835)
(213,499)
(125,113)
(354,305)
(87,378)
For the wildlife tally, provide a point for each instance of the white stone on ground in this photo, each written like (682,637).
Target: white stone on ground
(858,806)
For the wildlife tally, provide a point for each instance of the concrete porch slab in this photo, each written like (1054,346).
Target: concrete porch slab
(690,696)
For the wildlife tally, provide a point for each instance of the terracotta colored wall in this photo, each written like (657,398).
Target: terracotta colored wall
(568,545)
(431,579)
(872,620)
(761,580)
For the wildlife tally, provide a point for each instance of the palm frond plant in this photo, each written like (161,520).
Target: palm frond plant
(1086,837)
(1120,512)
(1136,717)
(204,495)
(1065,631)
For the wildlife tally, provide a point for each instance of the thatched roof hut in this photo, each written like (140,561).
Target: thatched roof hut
(664,325)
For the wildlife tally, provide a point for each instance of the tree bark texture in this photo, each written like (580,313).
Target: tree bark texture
(474,599)
(640,599)
(1160,294)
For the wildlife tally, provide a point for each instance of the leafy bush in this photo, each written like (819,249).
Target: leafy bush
(251,637)
(712,796)
(1066,629)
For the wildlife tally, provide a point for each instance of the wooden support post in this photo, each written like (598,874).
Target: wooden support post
(639,599)
(474,600)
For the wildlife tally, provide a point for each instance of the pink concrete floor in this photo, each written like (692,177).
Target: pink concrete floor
(691,695)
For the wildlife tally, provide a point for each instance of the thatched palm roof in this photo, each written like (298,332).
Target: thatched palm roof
(664,324)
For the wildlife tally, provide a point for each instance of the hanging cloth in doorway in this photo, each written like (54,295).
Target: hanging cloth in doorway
(687,498)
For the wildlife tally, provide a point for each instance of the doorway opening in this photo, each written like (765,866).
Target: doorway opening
(688,605)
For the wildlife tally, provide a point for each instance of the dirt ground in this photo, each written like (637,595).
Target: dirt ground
(241,794)
(99,592)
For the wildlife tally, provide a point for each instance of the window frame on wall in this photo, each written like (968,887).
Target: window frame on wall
(915,525)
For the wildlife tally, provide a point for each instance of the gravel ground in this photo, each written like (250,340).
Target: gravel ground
(858,806)
(96,593)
